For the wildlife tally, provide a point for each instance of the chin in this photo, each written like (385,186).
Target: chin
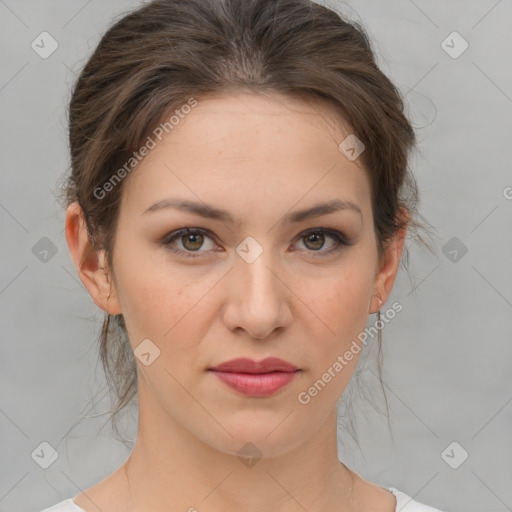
(257,434)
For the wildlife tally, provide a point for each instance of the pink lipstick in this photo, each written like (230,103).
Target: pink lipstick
(256,378)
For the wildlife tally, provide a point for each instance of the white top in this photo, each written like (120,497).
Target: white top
(403,504)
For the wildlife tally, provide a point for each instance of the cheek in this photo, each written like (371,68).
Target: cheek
(339,313)
(342,306)
(160,302)
(341,299)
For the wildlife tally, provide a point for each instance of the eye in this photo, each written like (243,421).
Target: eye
(192,240)
(314,239)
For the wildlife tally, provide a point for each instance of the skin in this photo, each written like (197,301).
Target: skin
(259,157)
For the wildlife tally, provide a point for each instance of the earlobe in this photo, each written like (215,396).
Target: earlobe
(376,302)
(90,262)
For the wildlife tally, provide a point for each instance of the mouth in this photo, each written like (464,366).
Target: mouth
(256,378)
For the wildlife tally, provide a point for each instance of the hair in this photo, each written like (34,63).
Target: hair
(156,58)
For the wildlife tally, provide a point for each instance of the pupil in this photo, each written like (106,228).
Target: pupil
(192,236)
(318,237)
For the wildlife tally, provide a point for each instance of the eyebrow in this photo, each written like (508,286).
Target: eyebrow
(211,212)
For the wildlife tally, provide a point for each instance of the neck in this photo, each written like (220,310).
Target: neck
(171,469)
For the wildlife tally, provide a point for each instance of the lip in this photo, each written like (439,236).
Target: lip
(246,365)
(256,378)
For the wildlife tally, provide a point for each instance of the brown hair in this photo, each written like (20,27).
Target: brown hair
(154,59)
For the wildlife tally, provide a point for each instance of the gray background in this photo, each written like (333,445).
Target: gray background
(448,356)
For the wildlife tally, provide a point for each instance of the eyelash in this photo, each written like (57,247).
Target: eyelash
(168,239)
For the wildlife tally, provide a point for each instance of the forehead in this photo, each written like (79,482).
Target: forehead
(251,150)
(300,118)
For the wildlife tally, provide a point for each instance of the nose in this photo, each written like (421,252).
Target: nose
(257,297)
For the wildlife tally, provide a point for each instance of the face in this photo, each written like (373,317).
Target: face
(258,280)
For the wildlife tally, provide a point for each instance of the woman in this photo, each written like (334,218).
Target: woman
(237,206)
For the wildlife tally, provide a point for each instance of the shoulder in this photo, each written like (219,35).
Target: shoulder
(405,503)
(64,506)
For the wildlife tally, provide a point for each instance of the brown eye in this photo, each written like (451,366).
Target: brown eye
(314,240)
(192,241)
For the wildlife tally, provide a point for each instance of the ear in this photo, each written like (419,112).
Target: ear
(388,266)
(89,262)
